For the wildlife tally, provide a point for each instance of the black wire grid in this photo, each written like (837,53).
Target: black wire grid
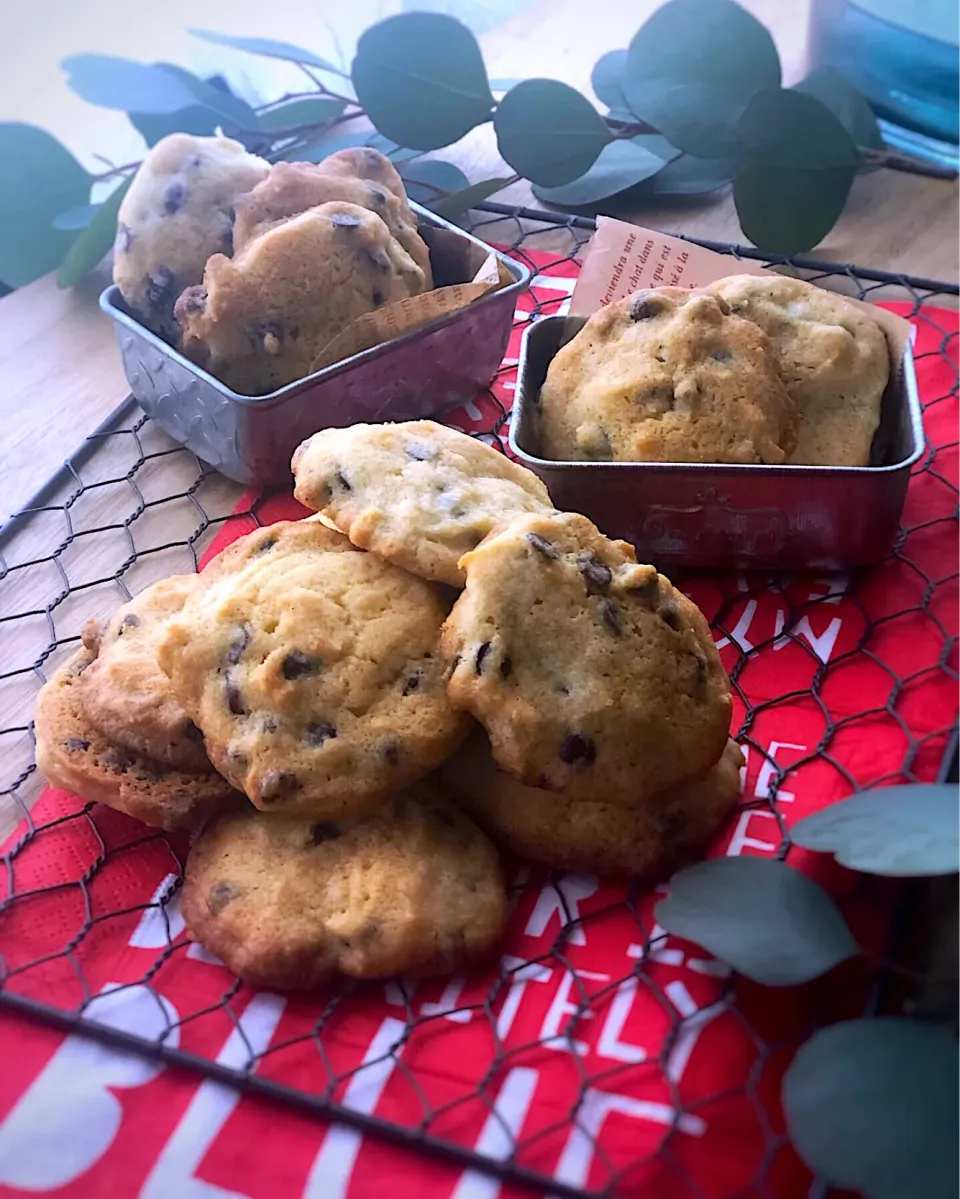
(131,506)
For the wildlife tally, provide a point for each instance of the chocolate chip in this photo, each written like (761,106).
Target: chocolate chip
(391,754)
(419,451)
(609,613)
(193,301)
(130,621)
(670,615)
(77,744)
(233,698)
(721,355)
(412,684)
(173,197)
(342,481)
(319,733)
(124,238)
(377,196)
(297,664)
(238,644)
(578,749)
(648,592)
(542,546)
(481,654)
(596,573)
(192,733)
(378,258)
(378,298)
(644,306)
(196,161)
(219,895)
(268,722)
(343,220)
(506,668)
(161,288)
(323,830)
(263,547)
(563,690)
(276,784)
(119,760)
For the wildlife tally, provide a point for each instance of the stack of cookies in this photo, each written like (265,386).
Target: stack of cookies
(341,704)
(752,369)
(252,270)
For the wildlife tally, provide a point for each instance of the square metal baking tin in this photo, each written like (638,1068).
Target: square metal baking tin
(252,438)
(681,516)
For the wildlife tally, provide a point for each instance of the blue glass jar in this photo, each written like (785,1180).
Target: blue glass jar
(903,56)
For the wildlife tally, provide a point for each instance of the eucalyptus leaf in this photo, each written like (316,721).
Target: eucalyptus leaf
(715,42)
(219,100)
(847,105)
(786,211)
(391,149)
(311,110)
(428,181)
(197,120)
(129,86)
(317,151)
(781,128)
(548,132)
(606,78)
(871,1106)
(75,218)
(688,175)
(620,165)
(459,202)
(421,80)
(39,179)
(267,48)
(696,117)
(95,240)
(908,831)
(766,920)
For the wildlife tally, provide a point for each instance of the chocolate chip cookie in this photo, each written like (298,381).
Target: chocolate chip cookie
(259,320)
(418,493)
(649,838)
(178,211)
(413,889)
(834,360)
(667,375)
(314,672)
(292,187)
(591,673)
(75,755)
(124,692)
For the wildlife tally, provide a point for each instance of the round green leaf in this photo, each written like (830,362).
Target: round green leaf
(421,80)
(95,240)
(871,1106)
(393,151)
(322,148)
(786,211)
(847,105)
(218,99)
(456,203)
(620,165)
(908,831)
(791,129)
(311,110)
(112,82)
(268,48)
(75,218)
(548,132)
(428,181)
(714,42)
(39,179)
(688,175)
(607,76)
(696,117)
(766,920)
(155,126)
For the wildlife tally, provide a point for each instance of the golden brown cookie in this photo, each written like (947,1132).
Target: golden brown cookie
(259,320)
(293,187)
(418,493)
(413,889)
(834,360)
(666,375)
(649,838)
(591,674)
(76,756)
(314,672)
(124,692)
(178,211)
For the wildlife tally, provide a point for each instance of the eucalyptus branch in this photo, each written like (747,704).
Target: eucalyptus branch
(909,166)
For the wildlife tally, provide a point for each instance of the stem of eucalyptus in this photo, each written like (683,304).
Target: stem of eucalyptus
(909,166)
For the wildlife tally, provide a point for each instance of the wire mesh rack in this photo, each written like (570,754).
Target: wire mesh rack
(595,1058)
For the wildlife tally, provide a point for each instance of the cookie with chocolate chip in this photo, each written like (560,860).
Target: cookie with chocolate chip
(648,838)
(75,755)
(667,375)
(125,693)
(833,357)
(314,672)
(179,210)
(292,187)
(412,889)
(417,493)
(260,319)
(592,674)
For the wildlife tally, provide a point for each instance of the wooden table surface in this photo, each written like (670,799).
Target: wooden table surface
(58,359)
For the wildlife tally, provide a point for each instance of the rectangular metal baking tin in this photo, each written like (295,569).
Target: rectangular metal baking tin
(251,438)
(679,515)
